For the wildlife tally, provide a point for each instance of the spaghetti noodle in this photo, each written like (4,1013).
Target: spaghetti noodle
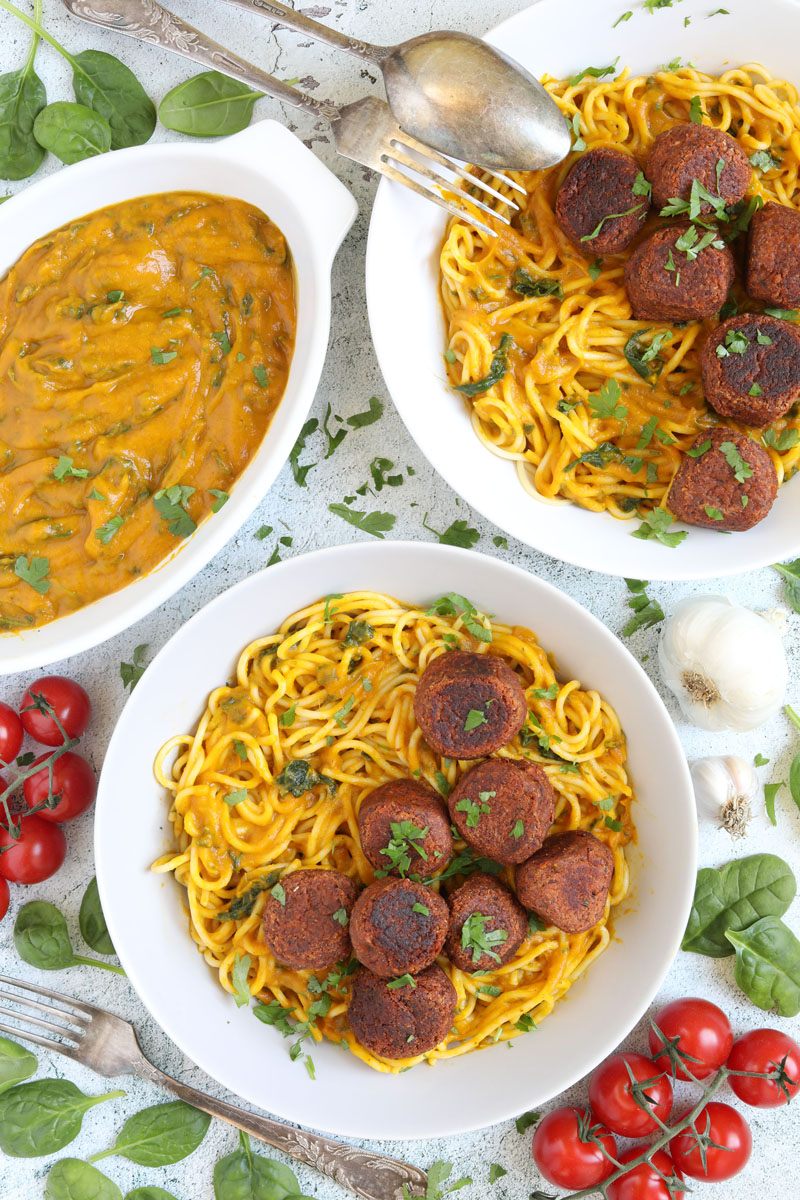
(331,693)
(570,340)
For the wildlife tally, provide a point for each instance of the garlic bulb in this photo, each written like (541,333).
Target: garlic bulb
(725,663)
(725,791)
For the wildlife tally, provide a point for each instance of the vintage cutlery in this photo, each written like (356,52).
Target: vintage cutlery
(455,93)
(364,131)
(108,1045)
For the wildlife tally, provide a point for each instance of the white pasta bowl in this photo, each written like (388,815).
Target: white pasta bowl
(409,330)
(149,925)
(270,168)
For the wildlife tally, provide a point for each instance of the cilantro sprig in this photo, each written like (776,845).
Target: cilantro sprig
(171,503)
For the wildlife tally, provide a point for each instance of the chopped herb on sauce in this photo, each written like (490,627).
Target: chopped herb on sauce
(497,369)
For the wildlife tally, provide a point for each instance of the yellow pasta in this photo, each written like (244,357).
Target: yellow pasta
(332,693)
(567,345)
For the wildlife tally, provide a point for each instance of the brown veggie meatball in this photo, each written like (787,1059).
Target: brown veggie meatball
(405,1021)
(487,925)
(684,153)
(705,490)
(410,820)
(469,705)
(772,270)
(567,882)
(503,808)
(398,927)
(664,284)
(599,185)
(751,368)
(308,930)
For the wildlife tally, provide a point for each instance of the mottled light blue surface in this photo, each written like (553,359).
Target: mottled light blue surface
(351,376)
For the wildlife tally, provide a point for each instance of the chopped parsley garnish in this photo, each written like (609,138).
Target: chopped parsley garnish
(476,718)
(610,823)
(646,436)
(170,503)
(695,111)
(407,838)
(763,339)
(243,905)
(712,512)
(594,268)
(160,357)
(760,761)
(699,451)
(241,989)
(589,237)
(115,296)
(574,125)
(642,186)
(646,612)
(220,498)
(474,937)
(223,340)
(64,467)
(334,439)
(454,605)
(260,375)
(656,524)
(497,369)
(496,1172)
(300,472)
(692,245)
(459,533)
(299,777)
(378,469)
(422,909)
(525,1024)
(234,798)
(240,749)
(740,467)
(645,360)
(762,160)
(698,196)
(130,673)
(500,542)
(95,495)
(604,405)
(278,893)
(373,414)
(172,312)
(526,1120)
(341,918)
(524,284)
(285,720)
(358,632)
(374,523)
(518,830)
(402,981)
(33,572)
(782,441)
(626,16)
(548,693)
(475,809)
(595,72)
(340,717)
(784,314)
(204,274)
(736,342)
(104,533)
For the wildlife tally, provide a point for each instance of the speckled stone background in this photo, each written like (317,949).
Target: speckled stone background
(351,376)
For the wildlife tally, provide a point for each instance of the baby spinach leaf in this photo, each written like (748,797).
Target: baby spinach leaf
(42,1117)
(159,1135)
(791,575)
(22,98)
(16,1063)
(71,1179)
(72,131)
(208,105)
(247,1176)
(735,896)
(42,940)
(110,89)
(768,965)
(93,923)
(149,1193)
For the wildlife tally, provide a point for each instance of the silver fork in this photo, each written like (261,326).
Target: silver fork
(364,131)
(108,1045)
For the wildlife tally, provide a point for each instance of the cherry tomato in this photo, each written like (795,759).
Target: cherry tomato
(643,1183)
(5,897)
(764,1050)
(11,734)
(703,1032)
(73,780)
(36,854)
(614,1103)
(723,1126)
(70,702)
(564,1157)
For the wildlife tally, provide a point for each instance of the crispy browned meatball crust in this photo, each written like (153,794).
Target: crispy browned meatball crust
(665,284)
(503,808)
(411,820)
(567,882)
(397,927)
(309,929)
(772,270)
(487,924)
(599,185)
(405,1021)
(705,490)
(469,705)
(684,153)
(751,368)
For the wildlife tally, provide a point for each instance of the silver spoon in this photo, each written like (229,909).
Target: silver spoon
(455,93)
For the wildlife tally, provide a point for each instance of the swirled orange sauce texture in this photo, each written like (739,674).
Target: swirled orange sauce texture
(143,346)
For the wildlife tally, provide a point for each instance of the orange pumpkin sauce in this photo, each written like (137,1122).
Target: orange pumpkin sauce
(144,347)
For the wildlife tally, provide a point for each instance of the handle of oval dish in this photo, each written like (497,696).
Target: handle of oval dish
(368,1175)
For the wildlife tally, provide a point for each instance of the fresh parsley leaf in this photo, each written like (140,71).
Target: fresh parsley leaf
(477,939)
(278,892)
(375,523)
(525,1024)
(770,792)
(524,284)
(340,717)
(604,405)
(763,339)
(220,498)
(95,495)
(33,572)
(645,360)
(454,605)
(132,672)
(589,237)
(699,450)
(712,512)
(300,472)
(341,918)
(782,441)
(475,718)
(64,467)
(760,761)
(373,414)
(595,72)
(475,809)
(286,719)
(378,469)
(237,797)
(740,467)
(500,542)
(422,909)
(526,1120)
(548,693)
(170,503)
(496,1172)
(104,533)
(334,439)
(784,314)
(263,532)
(695,111)
(656,524)
(646,612)
(402,981)
(223,340)
(160,357)
(594,268)
(459,533)
(762,160)
(406,837)
(626,16)
(791,580)
(497,369)
(240,749)
(241,988)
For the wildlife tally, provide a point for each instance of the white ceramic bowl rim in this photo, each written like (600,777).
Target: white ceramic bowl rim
(148,924)
(271,168)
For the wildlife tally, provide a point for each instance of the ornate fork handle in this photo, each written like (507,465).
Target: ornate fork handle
(371,1176)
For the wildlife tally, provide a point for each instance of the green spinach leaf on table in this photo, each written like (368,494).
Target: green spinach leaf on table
(42,1117)
(72,131)
(768,965)
(42,940)
(93,923)
(16,1064)
(160,1135)
(22,97)
(734,897)
(110,89)
(71,1179)
(208,105)
(243,1175)
(149,1193)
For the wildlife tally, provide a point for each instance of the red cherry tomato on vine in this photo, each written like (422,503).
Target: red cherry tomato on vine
(764,1050)
(614,1103)
(5,896)
(11,734)
(70,703)
(73,780)
(643,1183)
(703,1032)
(36,855)
(567,1159)
(729,1132)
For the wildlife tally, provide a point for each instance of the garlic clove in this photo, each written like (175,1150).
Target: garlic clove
(726,792)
